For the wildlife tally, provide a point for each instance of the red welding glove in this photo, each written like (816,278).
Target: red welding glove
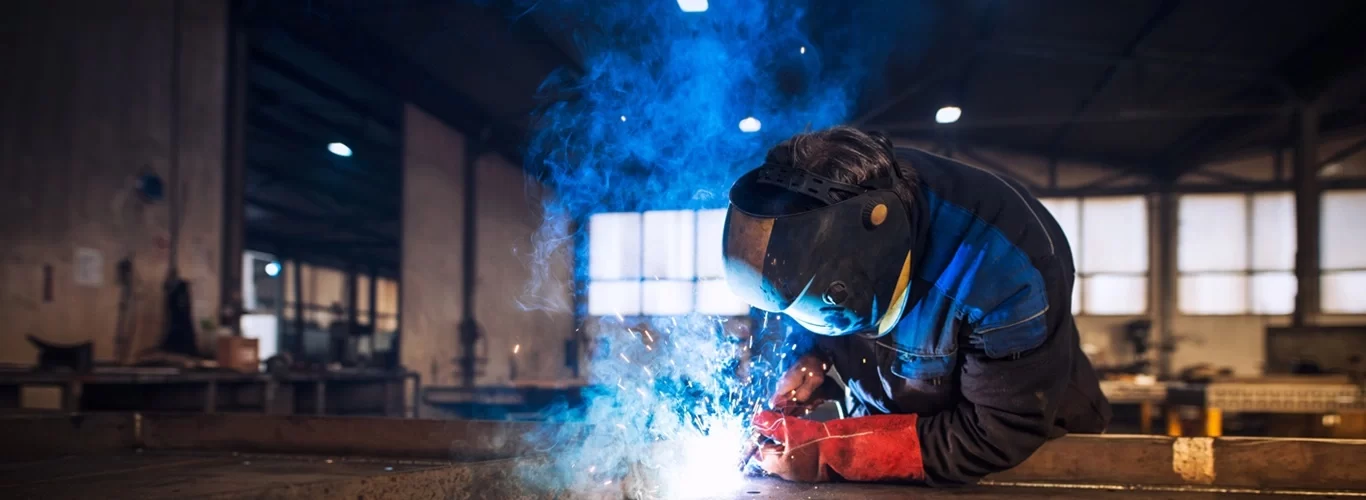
(874,448)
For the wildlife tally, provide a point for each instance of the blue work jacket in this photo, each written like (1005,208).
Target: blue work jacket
(987,353)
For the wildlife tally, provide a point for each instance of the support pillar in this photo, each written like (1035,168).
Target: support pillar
(1165,274)
(1307,195)
(298,277)
(232,303)
(374,300)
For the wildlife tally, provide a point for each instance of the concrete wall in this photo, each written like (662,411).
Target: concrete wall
(508,217)
(1236,342)
(85,106)
(507,214)
(433,245)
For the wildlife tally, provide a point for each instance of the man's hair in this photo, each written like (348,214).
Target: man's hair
(848,155)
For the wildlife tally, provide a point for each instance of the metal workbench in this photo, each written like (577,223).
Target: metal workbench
(368,392)
(253,456)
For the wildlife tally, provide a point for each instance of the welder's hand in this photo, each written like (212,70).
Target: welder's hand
(798,386)
(875,448)
(793,453)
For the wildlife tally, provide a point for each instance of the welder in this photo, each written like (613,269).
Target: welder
(939,292)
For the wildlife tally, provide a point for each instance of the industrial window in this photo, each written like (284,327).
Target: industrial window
(1236,253)
(1342,252)
(658,263)
(1109,241)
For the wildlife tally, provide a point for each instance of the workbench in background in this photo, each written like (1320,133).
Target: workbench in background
(1333,400)
(346,392)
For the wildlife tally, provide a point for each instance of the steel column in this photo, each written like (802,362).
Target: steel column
(298,309)
(1307,194)
(234,174)
(1165,246)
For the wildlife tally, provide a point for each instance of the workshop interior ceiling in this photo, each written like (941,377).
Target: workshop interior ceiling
(1152,86)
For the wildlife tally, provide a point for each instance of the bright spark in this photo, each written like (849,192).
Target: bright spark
(516,348)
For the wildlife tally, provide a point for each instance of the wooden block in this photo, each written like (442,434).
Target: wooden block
(238,354)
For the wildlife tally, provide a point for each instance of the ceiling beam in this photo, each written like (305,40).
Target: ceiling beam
(1178,63)
(971,155)
(965,67)
(528,26)
(980,144)
(370,169)
(335,34)
(270,99)
(1219,136)
(1163,12)
(1116,117)
(331,222)
(326,251)
(270,62)
(1356,147)
(310,185)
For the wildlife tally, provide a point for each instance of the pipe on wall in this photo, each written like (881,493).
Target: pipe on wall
(470,331)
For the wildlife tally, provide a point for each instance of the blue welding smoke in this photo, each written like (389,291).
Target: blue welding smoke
(653,121)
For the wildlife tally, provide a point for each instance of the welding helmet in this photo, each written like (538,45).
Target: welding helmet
(835,257)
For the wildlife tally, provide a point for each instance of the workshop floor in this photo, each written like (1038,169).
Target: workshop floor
(234,476)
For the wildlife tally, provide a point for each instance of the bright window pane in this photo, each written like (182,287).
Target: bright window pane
(1213,294)
(1067,211)
(1344,292)
(715,297)
(614,246)
(1114,234)
(1273,232)
(710,227)
(669,244)
(1274,293)
(1115,295)
(1212,235)
(667,297)
(607,298)
(1343,231)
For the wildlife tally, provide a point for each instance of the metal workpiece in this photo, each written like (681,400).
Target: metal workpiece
(228,476)
(278,457)
(1131,392)
(1272,395)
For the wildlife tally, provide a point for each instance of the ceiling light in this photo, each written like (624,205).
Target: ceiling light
(749,125)
(948,114)
(339,149)
(693,5)
(273,269)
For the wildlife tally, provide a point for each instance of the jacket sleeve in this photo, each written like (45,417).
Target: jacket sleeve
(1014,374)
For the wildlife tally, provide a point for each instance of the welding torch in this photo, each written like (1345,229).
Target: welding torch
(829,391)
